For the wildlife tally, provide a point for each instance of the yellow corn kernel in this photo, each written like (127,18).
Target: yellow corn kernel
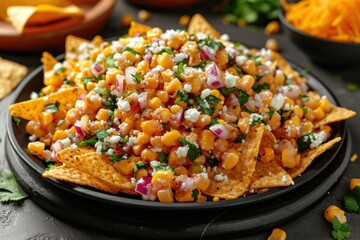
(306,127)
(92,100)
(266,154)
(173,86)
(196,85)
(46,139)
(138,148)
(230,158)
(142,172)
(155,103)
(292,127)
(354,182)
(171,138)
(162,178)
(103,114)
(200,160)
(58,135)
(279,78)
(151,81)
(48,89)
(233,71)
(165,195)
(167,75)
(246,82)
(333,211)
(151,127)
(164,96)
(181,170)
(90,86)
(175,161)
(288,159)
(148,155)
(314,100)
(175,108)
(184,20)
(156,142)
(277,234)
(128,56)
(186,196)
(203,121)
(162,114)
(71,131)
(217,94)
(297,111)
(327,129)
(249,67)
(36,148)
(125,167)
(207,139)
(288,101)
(202,183)
(272,28)
(143,138)
(275,120)
(244,125)
(166,61)
(319,113)
(325,104)
(154,33)
(143,67)
(221,144)
(46,118)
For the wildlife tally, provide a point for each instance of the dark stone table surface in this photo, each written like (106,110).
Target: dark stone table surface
(26,220)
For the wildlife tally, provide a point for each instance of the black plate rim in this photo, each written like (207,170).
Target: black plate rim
(131,202)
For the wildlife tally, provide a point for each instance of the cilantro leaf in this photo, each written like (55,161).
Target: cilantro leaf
(49,167)
(193,152)
(129,49)
(258,88)
(183,97)
(305,141)
(340,231)
(213,162)
(214,45)
(166,50)
(137,77)
(270,113)
(139,165)
(86,80)
(110,102)
(163,158)
(164,167)
(16,120)
(303,98)
(351,205)
(114,158)
(9,189)
(213,122)
(207,105)
(60,70)
(195,194)
(88,142)
(243,97)
(227,91)
(52,107)
(180,70)
(239,138)
(110,62)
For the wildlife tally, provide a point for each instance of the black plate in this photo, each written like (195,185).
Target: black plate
(19,141)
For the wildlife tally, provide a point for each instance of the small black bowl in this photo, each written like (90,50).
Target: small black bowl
(322,51)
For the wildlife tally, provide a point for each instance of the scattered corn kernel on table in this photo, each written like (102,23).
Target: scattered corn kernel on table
(27,220)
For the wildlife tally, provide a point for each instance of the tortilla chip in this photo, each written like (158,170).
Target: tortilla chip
(268,139)
(11,74)
(72,44)
(97,40)
(239,177)
(48,61)
(21,16)
(69,152)
(64,173)
(137,28)
(282,63)
(32,109)
(199,24)
(4,4)
(269,175)
(99,166)
(308,157)
(337,114)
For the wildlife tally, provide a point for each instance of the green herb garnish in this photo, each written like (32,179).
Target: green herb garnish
(137,77)
(163,158)
(52,107)
(213,162)
(207,105)
(9,189)
(129,49)
(195,194)
(352,200)
(86,80)
(114,158)
(340,231)
(258,88)
(243,97)
(305,141)
(193,151)
(182,97)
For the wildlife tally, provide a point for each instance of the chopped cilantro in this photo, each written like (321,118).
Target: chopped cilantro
(166,50)
(110,62)
(352,200)
(239,138)
(340,231)
(126,139)
(125,95)
(238,69)
(305,141)
(180,70)
(214,45)
(304,109)
(86,80)
(67,81)
(352,87)
(193,152)
(227,91)
(207,105)
(52,107)
(288,81)
(129,49)
(41,94)
(164,125)
(137,77)
(60,70)
(124,35)
(110,102)
(195,194)
(164,167)
(257,121)
(49,167)
(270,113)
(9,189)
(99,136)
(16,120)
(163,158)
(191,37)
(303,98)
(202,64)
(183,97)
(114,158)
(243,97)
(213,122)
(213,162)
(259,87)
(58,123)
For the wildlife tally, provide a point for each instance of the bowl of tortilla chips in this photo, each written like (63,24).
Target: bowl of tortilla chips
(188,119)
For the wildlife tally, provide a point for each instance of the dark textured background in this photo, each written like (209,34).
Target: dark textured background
(26,220)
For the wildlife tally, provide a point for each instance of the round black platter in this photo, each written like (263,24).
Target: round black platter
(19,139)
(122,221)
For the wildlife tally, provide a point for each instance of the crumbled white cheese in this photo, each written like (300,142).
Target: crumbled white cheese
(230,80)
(155,163)
(32,138)
(287,107)
(73,146)
(34,95)
(123,105)
(169,34)
(255,117)
(201,36)
(110,151)
(187,87)
(240,60)
(205,93)
(132,140)
(204,175)
(156,149)
(182,151)
(93,98)
(114,139)
(192,115)
(57,67)
(133,181)
(225,37)
(319,138)
(221,177)
(180,57)
(277,101)
(100,57)
(284,179)
(65,142)
(118,57)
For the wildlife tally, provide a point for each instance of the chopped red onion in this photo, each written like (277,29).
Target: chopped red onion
(119,83)
(207,53)
(291,91)
(220,130)
(213,76)
(78,128)
(142,99)
(179,116)
(142,186)
(97,69)
(186,184)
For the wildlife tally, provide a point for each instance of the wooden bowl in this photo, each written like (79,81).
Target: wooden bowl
(51,37)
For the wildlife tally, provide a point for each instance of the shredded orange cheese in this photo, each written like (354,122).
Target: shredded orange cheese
(337,20)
